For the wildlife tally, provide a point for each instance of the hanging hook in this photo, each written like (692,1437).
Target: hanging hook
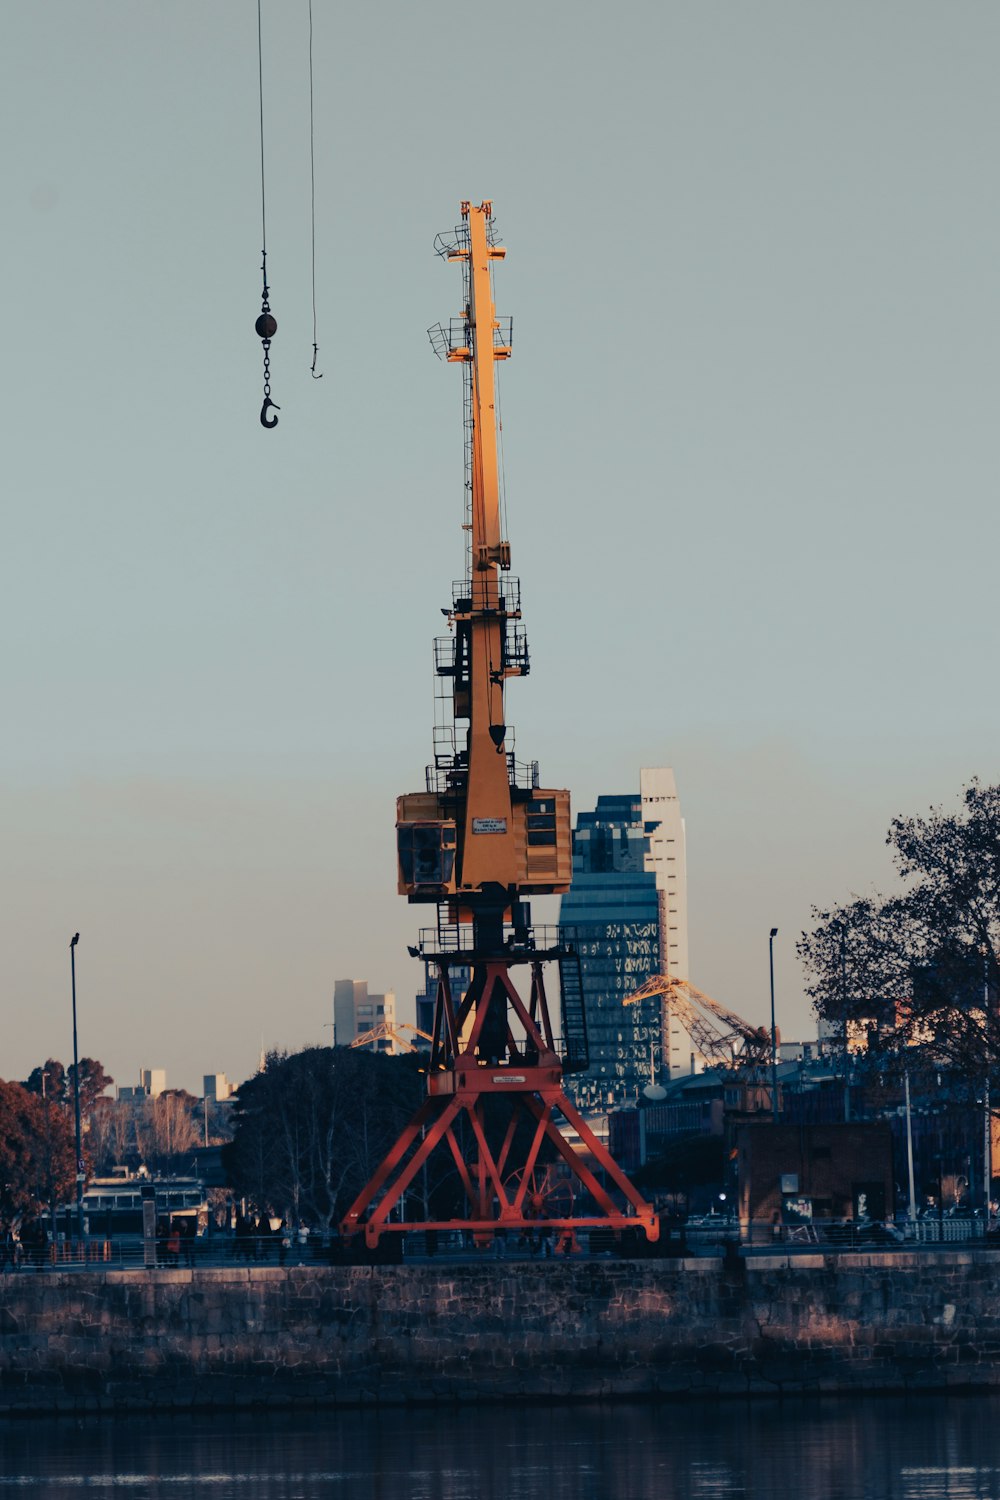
(266,327)
(312,367)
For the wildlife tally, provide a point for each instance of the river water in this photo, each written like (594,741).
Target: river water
(875,1448)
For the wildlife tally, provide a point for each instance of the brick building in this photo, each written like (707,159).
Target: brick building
(795,1174)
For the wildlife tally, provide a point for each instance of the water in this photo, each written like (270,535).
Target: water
(876,1448)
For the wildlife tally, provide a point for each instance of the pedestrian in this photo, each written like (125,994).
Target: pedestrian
(243,1245)
(40,1246)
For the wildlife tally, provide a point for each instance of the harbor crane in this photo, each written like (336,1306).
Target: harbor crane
(718,1033)
(399,1033)
(481,838)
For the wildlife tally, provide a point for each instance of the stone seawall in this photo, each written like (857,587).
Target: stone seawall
(139,1340)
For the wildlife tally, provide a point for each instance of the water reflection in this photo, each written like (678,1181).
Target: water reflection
(920,1448)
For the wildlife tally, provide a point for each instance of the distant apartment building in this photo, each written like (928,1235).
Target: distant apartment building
(216,1088)
(356,1012)
(858,1032)
(800,1052)
(626,913)
(152,1083)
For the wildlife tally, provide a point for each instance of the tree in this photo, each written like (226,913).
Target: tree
(166,1128)
(112,1135)
(921,967)
(55,1082)
(48,1081)
(312,1127)
(37,1156)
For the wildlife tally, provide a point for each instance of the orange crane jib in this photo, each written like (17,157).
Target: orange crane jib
(478,826)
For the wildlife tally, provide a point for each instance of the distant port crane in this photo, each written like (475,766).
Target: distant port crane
(397,1032)
(718,1033)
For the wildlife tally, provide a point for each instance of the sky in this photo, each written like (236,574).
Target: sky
(749,450)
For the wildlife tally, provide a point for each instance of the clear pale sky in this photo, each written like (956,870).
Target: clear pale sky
(750,440)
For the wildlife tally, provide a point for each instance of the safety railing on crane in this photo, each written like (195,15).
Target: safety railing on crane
(459,937)
(448,771)
(452,338)
(456,241)
(514,652)
(475,593)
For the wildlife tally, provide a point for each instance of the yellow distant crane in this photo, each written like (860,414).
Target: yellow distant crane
(390,1031)
(718,1033)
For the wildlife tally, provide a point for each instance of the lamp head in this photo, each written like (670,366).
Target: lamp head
(774,932)
(74,940)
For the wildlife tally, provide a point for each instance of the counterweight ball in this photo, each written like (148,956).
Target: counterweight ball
(266,326)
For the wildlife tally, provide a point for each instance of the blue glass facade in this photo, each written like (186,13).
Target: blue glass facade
(612,915)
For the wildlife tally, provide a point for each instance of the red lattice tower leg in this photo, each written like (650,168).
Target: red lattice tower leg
(494,1047)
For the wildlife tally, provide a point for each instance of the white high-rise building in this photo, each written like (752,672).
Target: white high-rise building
(355,1012)
(217,1087)
(153,1080)
(666,859)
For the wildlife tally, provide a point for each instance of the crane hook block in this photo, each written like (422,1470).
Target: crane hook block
(266,325)
(264,421)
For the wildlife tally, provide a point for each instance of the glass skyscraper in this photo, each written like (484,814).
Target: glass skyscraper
(626,913)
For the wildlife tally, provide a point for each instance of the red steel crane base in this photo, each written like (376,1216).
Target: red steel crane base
(499,1184)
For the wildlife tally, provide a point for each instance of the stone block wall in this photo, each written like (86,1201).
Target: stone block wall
(88,1341)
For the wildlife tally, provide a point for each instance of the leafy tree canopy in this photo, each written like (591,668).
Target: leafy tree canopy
(920,966)
(37,1159)
(313,1126)
(53,1081)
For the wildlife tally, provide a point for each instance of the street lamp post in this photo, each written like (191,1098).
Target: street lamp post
(76,1095)
(847,1036)
(987,1128)
(909,1148)
(774,1033)
(48,1161)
